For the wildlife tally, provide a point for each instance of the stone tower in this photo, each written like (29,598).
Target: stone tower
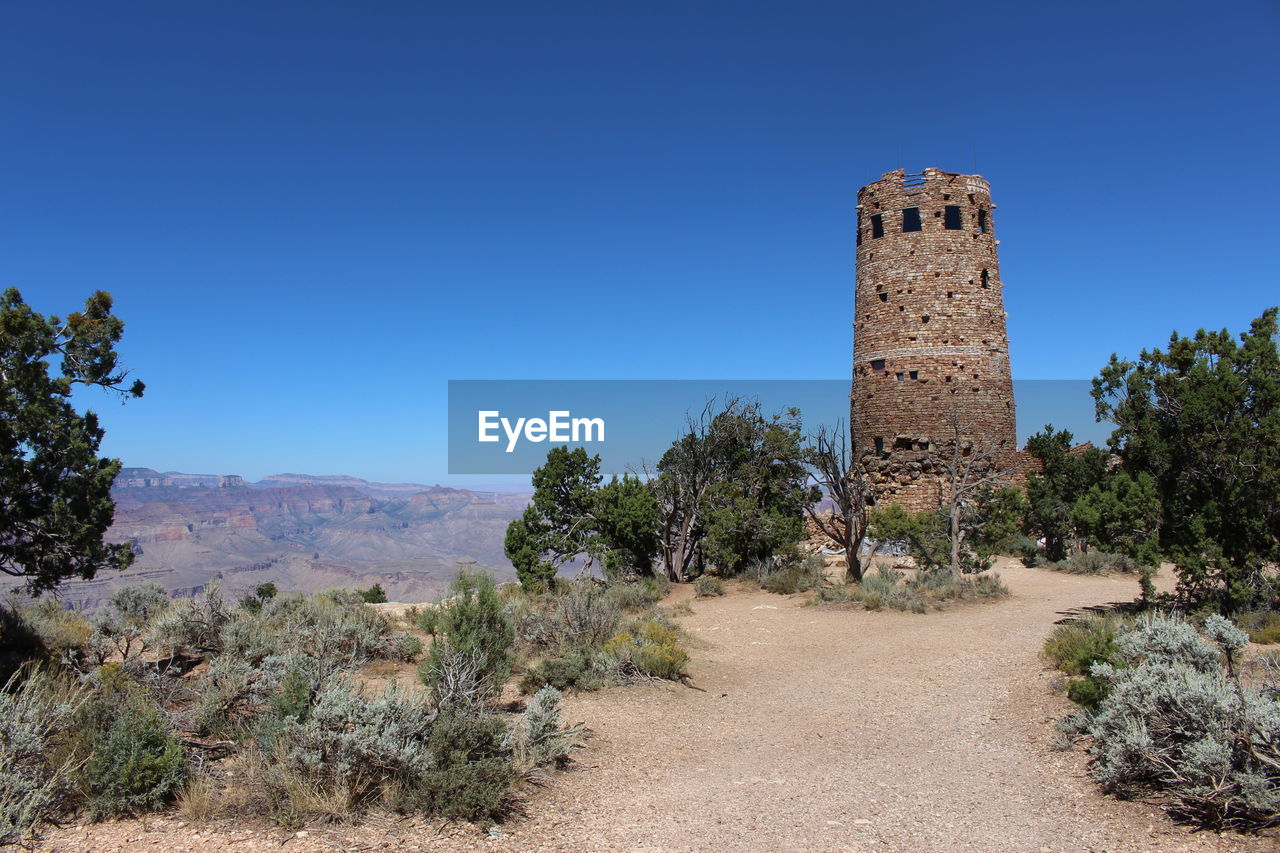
(929,344)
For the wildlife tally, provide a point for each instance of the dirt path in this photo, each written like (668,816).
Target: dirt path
(814,729)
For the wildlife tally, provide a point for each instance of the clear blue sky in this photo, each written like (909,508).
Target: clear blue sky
(313,214)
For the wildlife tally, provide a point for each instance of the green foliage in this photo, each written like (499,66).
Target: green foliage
(373,595)
(994,526)
(538,739)
(559,524)
(470,768)
(587,614)
(928,590)
(576,669)
(1095,563)
(626,520)
(263,591)
(648,647)
(122,627)
(137,765)
(1202,420)
(41,631)
(1262,626)
(708,586)
(473,624)
(1122,514)
(636,595)
(57,505)
(754,507)
(925,534)
(36,772)
(732,491)
(571,516)
(1075,646)
(790,576)
(1066,476)
(1175,724)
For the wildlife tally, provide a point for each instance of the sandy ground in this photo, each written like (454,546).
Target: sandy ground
(809,729)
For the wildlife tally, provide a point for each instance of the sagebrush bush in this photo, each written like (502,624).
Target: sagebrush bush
(1262,626)
(538,739)
(708,586)
(791,576)
(1074,647)
(638,595)
(474,631)
(587,613)
(648,647)
(349,750)
(1095,563)
(36,772)
(1173,722)
(137,765)
(576,669)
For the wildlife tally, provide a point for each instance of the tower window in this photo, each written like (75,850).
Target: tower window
(901,376)
(877,225)
(986,279)
(982,220)
(877,365)
(884,297)
(952,222)
(879,444)
(911,219)
(915,374)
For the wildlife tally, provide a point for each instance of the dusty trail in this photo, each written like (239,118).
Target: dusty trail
(814,729)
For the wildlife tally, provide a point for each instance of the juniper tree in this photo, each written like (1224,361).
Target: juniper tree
(55,490)
(1202,418)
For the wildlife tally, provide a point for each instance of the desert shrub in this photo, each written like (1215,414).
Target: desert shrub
(1262,626)
(989,586)
(373,595)
(587,613)
(635,595)
(474,631)
(41,631)
(1074,647)
(428,620)
(535,624)
(576,669)
(648,647)
(1028,551)
(334,627)
(1095,563)
(35,771)
(192,625)
(122,627)
(708,586)
(538,739)
(137,765)
(790,576)
(469,768)
(837,593)
(347,751)
(1174,723)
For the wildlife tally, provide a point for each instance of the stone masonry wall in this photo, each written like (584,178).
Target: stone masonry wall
(929,330)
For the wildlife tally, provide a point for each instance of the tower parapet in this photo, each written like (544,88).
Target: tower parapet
(930,344)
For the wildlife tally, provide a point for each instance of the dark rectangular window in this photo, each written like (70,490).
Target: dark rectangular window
(877,366)
(911,219)
(879,444)
(915,374)
(884,297)
(901,376)
(952,221)
(877,225)
(982,220)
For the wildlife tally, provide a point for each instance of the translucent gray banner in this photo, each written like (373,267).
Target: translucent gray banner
(499,426)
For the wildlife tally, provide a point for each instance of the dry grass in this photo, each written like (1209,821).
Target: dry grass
(197,802)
